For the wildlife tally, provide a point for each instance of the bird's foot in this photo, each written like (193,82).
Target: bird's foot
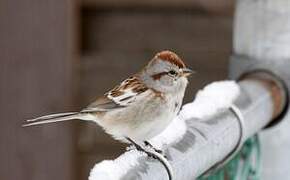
(153,153)
(148,144)
(135,146)
(145,148)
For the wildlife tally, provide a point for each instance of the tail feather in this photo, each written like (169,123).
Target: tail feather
(50,116)
(55,118)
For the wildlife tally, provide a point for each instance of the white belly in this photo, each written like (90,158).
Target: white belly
(142,121)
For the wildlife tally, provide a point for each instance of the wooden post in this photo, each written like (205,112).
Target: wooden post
(36,77)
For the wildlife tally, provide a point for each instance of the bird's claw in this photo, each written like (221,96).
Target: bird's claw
(143,148)
(159,151)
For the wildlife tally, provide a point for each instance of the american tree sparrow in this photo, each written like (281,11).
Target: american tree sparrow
(141,106)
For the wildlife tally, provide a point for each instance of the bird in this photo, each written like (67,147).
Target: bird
(141,106)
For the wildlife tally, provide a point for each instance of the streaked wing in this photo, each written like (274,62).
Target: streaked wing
(102,104)
(119,97)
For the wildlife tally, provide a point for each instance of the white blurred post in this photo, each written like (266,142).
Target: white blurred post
(262,36)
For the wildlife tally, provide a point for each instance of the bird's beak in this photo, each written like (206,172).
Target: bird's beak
(186,72)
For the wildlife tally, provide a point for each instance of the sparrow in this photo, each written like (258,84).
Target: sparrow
(141,106)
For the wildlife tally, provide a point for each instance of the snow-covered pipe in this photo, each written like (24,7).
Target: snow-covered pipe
(205,133)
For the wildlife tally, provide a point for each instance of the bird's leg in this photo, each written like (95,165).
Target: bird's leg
(143,149)
(155,154)
(140,148)
(137,146)
(147,143)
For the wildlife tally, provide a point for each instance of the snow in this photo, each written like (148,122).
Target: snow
(115,169)
(213,98)
(167,137)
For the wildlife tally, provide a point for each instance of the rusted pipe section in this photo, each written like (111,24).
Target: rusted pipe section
(276,88)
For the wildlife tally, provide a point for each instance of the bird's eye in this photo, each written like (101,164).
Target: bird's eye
(172,73)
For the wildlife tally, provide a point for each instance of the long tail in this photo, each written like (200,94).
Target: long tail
(52,118)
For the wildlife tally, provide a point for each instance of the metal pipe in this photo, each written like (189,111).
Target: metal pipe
(208,141)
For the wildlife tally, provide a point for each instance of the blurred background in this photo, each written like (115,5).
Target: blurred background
(58,55)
